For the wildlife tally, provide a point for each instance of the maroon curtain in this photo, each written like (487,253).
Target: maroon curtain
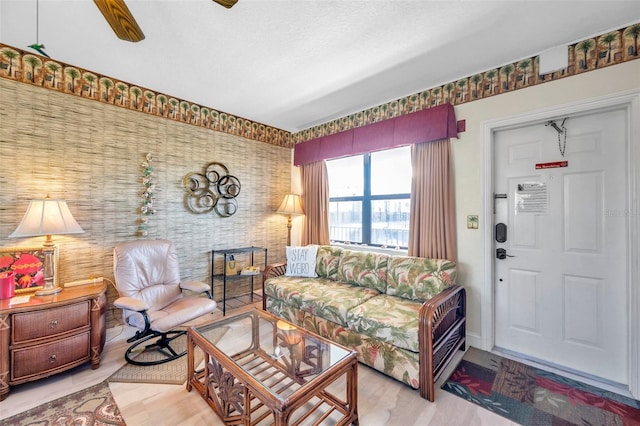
(428,125)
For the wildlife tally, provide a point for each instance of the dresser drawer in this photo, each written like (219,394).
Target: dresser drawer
(49,322)
(50,357)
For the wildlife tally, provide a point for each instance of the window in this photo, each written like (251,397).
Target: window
(369,198)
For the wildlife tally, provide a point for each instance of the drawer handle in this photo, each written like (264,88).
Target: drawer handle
(52,358)
(53,324)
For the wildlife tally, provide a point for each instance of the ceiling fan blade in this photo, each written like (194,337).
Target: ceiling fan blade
(226,3)
(122,22)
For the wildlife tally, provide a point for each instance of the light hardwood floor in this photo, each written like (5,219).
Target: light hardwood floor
(381,401)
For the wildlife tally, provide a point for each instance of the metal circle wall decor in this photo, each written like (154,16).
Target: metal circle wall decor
(213,190)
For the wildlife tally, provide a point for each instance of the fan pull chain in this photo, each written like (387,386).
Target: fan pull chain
(37,21)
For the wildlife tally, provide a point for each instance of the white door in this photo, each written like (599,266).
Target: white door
(562,297)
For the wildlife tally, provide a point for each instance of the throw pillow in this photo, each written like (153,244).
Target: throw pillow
(301,261)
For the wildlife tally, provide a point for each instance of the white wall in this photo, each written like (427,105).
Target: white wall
(468,162)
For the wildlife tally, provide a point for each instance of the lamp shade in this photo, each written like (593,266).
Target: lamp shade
(47,216)
(291,205)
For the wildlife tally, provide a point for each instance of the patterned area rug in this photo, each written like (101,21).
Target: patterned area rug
(173,372)
(91,406)
(530,396)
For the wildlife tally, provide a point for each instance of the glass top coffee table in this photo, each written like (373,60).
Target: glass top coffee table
(258,369)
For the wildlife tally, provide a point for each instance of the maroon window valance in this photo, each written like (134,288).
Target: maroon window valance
(422,126)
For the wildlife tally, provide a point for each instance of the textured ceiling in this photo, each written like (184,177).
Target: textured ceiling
(294,64)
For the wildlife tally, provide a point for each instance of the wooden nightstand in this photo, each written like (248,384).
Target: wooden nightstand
(51,334)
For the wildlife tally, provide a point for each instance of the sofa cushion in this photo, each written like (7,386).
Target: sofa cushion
(364,269)
(327,261)
(325,298)
(301,261)
(391,319)
(418,278)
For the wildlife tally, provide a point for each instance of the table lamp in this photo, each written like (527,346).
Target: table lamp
(47,216)
(291,205)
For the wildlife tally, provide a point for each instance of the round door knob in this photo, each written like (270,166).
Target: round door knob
(53,358)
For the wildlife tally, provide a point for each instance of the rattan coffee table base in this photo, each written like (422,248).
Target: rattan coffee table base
(236,387)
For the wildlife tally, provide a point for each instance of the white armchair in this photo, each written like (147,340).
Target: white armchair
(147,277)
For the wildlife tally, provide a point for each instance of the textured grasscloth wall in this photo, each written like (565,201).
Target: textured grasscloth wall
(90,154)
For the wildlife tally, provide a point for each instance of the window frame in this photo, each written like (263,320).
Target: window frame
(366,200)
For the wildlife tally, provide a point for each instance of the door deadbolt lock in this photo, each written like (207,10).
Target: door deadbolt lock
(501,232)
(502,254)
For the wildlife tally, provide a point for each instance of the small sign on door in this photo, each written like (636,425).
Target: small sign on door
(553,165)
(532,198)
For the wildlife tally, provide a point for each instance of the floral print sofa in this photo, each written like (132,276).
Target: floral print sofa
(404,315)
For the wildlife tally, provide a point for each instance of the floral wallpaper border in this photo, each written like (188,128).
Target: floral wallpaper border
(605,50)
(590,54)
(26,67)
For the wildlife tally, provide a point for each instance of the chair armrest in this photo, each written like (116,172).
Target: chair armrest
(195,286)
(139,306)
(130,303)
(441,333)
(271,271)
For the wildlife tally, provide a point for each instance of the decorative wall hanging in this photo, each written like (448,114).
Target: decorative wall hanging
(213,190)
(147,195)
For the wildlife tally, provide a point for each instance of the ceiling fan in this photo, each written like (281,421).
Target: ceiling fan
(122,21)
